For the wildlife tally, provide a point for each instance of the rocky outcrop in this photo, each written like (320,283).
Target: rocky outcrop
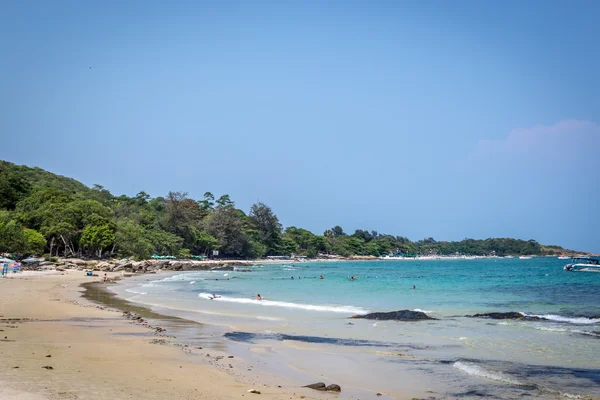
(401,315)
(502,315)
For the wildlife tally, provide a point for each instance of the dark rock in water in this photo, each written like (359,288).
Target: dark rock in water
(502,315)
(333,388)
(401,315)
(225,268)
(317,386)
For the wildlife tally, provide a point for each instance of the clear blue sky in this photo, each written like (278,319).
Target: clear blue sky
(445,119)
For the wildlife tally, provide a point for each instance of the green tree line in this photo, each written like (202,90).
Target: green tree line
(44,213)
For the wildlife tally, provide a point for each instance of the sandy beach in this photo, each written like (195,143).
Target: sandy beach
(56,345)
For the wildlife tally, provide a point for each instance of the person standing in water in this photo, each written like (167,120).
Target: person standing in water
(258,297)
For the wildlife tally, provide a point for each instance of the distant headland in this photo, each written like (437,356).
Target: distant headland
(49,215)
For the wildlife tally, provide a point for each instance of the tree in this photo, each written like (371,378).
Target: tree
(208,203)
(268,226)
(12,238)
(35,241)
(337,231)
(225,201)
(204,243)
(13,188)
(96,238)
(227,227)
(181,217)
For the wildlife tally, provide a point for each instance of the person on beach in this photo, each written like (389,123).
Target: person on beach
(258,297)
(105,278)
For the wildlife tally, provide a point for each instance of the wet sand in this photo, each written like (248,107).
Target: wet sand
(56,345)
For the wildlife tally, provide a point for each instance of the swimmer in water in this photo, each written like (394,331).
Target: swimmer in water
(351,278)
(215,296)
(321,277)
(414,287)
(258,297)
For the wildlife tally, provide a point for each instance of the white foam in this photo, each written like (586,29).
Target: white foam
(477,370)
(560,318)
(192,282)
(269,318)
(284,304)
(571,396)
(549,329)
(135,291)
(423,311)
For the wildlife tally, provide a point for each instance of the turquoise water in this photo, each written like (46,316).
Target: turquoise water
(544,358)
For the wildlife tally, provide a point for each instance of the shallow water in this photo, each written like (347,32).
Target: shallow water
(305,327)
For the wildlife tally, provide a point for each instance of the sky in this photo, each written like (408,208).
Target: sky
(415,118)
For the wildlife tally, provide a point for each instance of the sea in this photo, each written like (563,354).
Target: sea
(302,328)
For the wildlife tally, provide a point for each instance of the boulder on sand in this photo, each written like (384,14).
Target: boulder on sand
(325,388)
(333,388)
(317,386)
(401,315)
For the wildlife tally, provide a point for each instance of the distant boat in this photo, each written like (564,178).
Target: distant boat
(583,264)
(563,257)
(525,257)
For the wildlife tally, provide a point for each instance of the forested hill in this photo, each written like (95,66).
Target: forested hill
(44,213)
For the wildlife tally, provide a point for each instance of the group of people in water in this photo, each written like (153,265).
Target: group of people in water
(259,297)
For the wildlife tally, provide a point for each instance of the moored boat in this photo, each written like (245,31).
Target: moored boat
(583,264)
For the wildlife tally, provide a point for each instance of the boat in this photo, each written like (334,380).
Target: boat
(525,257)
(583,264)
(563,257)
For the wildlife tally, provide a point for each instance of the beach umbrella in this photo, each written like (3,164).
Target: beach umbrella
(4,260)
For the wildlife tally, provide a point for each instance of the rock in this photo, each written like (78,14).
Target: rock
(502,315)
(229,356)
(378,394)
(47,367)
(49,355)
(176,266)
(225,268)
(76,261)
(333,388)
(317,386)
(123,265)
(253,391)
(401,315)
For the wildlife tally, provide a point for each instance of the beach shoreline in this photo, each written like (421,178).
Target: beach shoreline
(57,345)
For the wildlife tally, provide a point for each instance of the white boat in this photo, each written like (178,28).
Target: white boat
(583,264)
(525,257)
(563,257)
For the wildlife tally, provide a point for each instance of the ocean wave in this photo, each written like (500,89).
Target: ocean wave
(284,304)
(570,320)
(476,370)
(423,311)
(549,329)
(571,396)
(269,319)
(133,291)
